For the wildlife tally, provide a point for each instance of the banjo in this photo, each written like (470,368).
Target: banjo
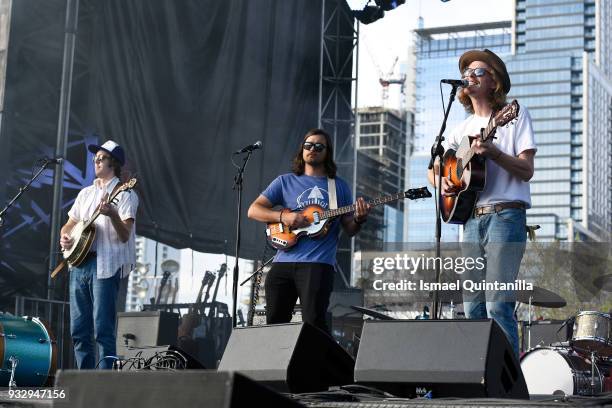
(84,233)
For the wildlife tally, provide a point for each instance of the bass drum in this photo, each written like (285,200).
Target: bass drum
(29,341)
(550,370)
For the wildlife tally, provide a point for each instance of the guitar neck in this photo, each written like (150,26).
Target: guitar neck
(96,213)
(488,132)
(350,208)
(92,219)
(490,129)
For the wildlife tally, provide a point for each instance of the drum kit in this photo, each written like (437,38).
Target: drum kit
(28,352)
(580,366)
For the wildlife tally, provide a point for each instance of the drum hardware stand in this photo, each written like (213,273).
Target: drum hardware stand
(593,354)
(529,323)
(14,361)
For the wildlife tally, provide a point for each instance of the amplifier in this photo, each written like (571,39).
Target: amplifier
(145,329)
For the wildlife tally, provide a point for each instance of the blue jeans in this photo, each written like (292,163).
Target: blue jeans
(93,315)
(500,239)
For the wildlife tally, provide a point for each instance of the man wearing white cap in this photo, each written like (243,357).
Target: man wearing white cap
(94,284)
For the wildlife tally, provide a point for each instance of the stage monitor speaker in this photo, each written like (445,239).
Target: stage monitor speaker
(161,389)
(295,357)
(445,358)
(545,333)
(145,329)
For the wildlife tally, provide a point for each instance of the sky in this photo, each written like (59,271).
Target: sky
(387,38)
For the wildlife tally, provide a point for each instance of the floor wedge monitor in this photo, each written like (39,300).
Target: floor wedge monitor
(295,357)
(442,358)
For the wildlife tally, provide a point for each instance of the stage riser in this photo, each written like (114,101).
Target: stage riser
(150,389)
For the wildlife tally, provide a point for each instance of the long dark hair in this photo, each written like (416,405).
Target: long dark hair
(298,160)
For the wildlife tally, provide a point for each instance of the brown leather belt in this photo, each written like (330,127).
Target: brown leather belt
(495,208)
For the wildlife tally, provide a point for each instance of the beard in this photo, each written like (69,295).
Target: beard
(314,161)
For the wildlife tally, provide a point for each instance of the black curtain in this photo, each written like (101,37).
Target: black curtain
(183,84)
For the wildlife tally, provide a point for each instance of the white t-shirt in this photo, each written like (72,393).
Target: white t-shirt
(500,185)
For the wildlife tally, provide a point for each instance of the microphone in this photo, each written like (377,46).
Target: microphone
(461,83)
(250,148)
(54,160)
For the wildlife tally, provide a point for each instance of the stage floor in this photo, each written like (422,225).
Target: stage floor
(339,399)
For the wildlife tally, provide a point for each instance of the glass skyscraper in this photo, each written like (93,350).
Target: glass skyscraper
(560,72)
(381,163)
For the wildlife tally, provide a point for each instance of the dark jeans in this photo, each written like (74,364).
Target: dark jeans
(311,282)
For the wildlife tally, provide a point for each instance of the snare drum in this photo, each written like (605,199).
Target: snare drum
(549,370)
(593,333)
(28,340)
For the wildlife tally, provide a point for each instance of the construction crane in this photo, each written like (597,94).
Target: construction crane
(388,79)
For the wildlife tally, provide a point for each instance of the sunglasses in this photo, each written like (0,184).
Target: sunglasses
(478,72)
(318,147)
(100,159)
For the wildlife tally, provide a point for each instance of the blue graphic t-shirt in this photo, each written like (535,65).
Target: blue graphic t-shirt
(296,192)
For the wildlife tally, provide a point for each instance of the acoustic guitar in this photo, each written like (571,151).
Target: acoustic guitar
(466,170)
(283,237)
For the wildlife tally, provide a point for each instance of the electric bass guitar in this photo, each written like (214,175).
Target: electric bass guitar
(466,170)
(283,237)
(84,232)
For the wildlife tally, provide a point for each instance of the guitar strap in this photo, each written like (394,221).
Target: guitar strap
(333,204)
(117,186)
(331,191)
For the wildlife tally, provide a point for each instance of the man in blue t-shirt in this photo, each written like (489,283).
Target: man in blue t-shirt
(307,269)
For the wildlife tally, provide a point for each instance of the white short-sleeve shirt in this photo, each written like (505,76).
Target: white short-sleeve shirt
(514,139)
(112,254)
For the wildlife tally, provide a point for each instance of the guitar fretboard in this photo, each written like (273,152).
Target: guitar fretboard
(350,208)
(488,132)
(124,187)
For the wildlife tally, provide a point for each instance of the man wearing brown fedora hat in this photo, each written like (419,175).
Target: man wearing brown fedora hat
(94,283)
(496,230)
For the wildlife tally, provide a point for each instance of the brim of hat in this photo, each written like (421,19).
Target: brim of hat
(95,149)
(471,56)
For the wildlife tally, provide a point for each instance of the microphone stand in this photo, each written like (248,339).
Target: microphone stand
(257,271)
(23,190)
(238,186)
(437,151)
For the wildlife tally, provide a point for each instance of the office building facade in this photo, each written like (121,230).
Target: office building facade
(381,164)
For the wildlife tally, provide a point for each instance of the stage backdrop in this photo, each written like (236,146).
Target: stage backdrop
(181,85)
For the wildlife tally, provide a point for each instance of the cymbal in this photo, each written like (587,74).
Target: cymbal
(540,297)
